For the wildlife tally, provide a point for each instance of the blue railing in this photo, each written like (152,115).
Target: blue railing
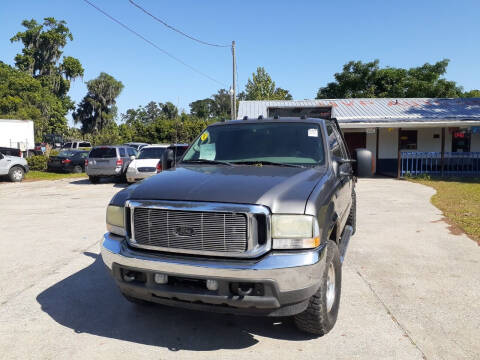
(453,164)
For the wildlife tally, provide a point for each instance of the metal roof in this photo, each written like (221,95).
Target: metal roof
(376,109)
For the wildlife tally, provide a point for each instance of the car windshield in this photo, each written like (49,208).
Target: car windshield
(151,153)
(66,153)
(275,142)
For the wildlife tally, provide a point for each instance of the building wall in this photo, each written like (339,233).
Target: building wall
(388,144)
(475,143)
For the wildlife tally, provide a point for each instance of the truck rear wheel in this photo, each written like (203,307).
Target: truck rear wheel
(321,313)
(94,179)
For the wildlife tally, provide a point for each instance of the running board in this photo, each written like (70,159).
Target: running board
(344,240)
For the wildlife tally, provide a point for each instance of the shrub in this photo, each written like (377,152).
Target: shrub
(37,162)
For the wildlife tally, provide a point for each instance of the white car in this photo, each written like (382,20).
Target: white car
(145,165)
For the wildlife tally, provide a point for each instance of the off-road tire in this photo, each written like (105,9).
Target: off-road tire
(77,169)
(352,217)
(316,319)
(136,301)
(94,179)
(16,174)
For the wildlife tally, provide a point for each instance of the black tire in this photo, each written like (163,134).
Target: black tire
(136,301)
(94,179)
(16,174)
(317,318)
(77,169)
(352,217)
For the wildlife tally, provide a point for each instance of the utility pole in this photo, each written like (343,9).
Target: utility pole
(234,85)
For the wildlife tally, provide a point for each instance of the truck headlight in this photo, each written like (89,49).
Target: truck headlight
(295,232)
(116,220)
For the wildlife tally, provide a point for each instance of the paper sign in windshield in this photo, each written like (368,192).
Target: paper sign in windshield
(313,132)
(207,152)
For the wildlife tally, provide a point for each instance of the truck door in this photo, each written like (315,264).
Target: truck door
(343,183)
(3,165)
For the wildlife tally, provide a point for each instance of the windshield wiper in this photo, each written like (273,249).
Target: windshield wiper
(205,161)
(264,162)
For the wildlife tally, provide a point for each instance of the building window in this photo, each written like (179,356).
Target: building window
(461,141)
(408,139)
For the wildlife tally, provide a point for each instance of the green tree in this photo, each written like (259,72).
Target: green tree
(98,109)
(169,111)
(202,108)
(262,87)
(216,106)
(221,104)
(472,94)
(39,89)
(24,97)
(367,80)
(41,53)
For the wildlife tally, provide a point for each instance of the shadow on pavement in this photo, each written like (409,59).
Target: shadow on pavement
(102,181)
(89,302)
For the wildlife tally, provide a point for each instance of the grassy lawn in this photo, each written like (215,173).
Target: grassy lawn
(42,175)
(459,199)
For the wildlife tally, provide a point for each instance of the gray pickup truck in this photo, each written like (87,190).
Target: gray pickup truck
(255,219)
(15,167)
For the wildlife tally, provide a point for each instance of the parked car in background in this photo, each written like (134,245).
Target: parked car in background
(106,161)
(77,145)
(68,161)
(11,151)
(136,145)
(14,167)
(145,165)
(54,140)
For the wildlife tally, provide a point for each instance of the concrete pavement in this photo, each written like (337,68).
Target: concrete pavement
(410,287)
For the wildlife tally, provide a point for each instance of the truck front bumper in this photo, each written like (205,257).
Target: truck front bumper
(281,282)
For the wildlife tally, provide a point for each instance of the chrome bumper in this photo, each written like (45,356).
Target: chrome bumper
(290,271)
(135,176)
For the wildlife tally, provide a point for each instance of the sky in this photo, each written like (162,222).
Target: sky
(300,43)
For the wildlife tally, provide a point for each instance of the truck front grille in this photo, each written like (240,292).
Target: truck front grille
(190,230)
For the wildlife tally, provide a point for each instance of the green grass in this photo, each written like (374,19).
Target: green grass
(459,199)
(43,175)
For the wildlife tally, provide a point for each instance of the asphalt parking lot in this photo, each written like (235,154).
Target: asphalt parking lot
(410,287)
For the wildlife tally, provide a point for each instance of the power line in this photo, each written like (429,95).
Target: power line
(175,29)
(153,44)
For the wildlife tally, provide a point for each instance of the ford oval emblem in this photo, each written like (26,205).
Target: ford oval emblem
(184,231)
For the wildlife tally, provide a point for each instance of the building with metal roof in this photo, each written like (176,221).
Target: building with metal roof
(390,127)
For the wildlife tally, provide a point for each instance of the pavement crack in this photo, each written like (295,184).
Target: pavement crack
(392,316)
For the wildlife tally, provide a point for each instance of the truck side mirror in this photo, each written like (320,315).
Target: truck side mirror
(132,157)
(168,160)
(343,170)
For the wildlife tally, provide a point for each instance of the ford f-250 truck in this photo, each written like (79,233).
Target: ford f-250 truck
(255,219)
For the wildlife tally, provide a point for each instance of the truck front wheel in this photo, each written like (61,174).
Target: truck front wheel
(16,174)
(321,313)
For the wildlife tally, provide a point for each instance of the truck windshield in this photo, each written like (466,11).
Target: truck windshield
(276,142)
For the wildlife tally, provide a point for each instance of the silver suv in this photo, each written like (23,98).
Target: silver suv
(14,167)
(106,161)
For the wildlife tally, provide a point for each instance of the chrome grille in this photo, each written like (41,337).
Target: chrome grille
(190,230)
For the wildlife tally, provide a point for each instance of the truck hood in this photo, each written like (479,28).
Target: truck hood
(282,189)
